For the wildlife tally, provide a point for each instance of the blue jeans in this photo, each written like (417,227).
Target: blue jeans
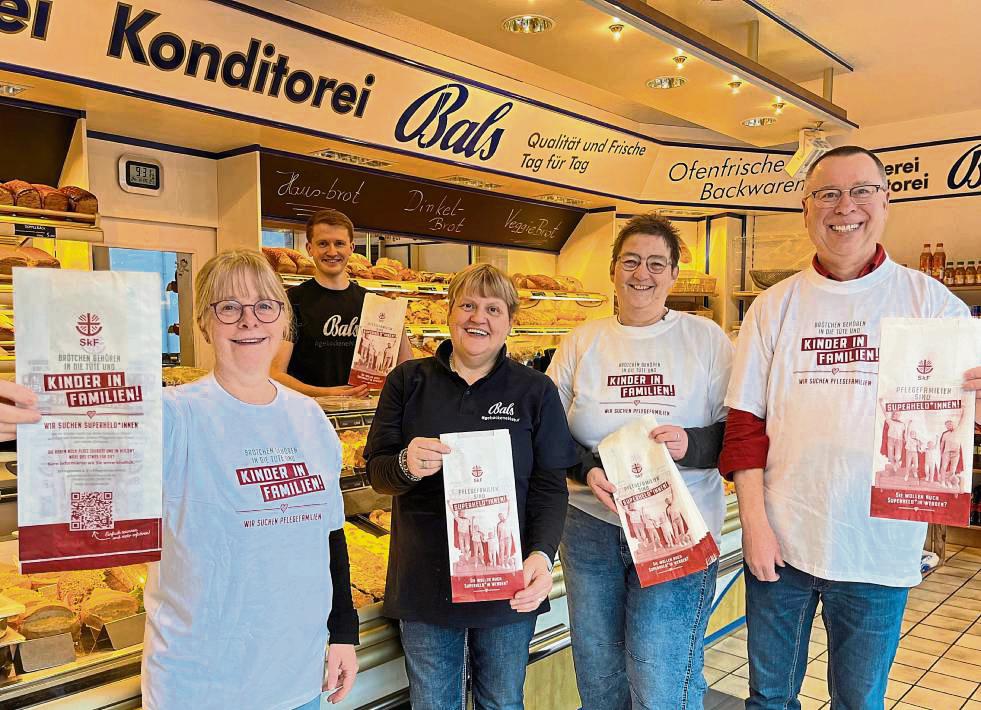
(633,647)
(437,659)
(863,624)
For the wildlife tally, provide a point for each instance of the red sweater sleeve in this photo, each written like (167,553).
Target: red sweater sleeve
(745,444)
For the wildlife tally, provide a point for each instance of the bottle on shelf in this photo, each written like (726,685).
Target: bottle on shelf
(971,274)
(949,274)
(937,262)
(959,274)
(926,259)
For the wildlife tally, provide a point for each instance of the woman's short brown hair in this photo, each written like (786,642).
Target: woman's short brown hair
(332,218)
(486,281)
(226,273)
(653,225)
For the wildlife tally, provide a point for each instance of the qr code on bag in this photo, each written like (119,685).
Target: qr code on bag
(91,511)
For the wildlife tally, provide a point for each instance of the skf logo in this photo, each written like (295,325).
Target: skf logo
(924,367)
(637,470)
(89,325)
(381,317)
(477,472)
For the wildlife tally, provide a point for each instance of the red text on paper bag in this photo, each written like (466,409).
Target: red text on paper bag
(376,350)
(924,421)
(488,554)
(665,531)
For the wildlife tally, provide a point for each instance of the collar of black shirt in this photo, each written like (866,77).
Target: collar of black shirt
(443,358)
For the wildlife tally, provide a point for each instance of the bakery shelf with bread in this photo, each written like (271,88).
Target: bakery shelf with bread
(28,210)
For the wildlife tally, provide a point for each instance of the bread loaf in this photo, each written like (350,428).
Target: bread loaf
(52,199)
(24,194)
(304,264)
(360,598)
(75,587)
(279,260)
(11,257)
(569,283)
(126,579)
(46,618)
(6,196)
(107,605)
(409,275)
(80,200)
(544,282)
(385,273)
(685,254)
(40,258)
(393,263)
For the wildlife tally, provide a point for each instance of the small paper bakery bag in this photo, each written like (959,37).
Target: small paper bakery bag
(924,421)
(482,516)
(665,531)
(89,485)
(379,336)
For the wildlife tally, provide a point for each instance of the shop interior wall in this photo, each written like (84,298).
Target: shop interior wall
(586,256)
(781,241)
(183,218)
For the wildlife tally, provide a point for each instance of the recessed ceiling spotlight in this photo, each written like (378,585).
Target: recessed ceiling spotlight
(679,61)
(735,85)
(778,106)
(11,89)
(759,121)
(667,82)
(617,30)
(528,24)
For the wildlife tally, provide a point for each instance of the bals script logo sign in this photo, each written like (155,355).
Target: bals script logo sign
(89,325)
(966,171)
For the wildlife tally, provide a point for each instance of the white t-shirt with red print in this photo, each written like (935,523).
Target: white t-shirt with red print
(807,361)
(676,369)
(237,607)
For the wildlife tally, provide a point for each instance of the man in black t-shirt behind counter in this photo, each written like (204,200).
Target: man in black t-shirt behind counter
(326,311)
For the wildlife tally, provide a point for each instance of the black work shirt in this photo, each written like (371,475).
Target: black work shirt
(325,328)
(426,398)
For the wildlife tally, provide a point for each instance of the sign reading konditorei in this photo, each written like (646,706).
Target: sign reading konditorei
(214,55)
(294,188)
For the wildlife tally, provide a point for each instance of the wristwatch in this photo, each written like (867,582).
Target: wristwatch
(404,466)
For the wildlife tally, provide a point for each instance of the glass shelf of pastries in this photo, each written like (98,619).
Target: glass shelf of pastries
(550,305)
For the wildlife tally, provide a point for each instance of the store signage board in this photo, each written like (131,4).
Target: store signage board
(234,58)
(294,188)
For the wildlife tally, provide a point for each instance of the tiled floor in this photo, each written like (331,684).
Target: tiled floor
(938,665)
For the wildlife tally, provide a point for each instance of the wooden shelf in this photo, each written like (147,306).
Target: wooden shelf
(697,294)
(746,294)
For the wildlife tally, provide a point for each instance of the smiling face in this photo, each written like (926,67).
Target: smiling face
(845,232)
(640,293)
(249,345)
(478,326)
(330,248)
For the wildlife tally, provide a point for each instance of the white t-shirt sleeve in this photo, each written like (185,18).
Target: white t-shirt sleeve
(751,367)
(174,444)
(562,369)
(720,374)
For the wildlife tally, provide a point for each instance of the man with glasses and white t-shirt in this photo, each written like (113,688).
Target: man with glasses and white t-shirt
(799,444)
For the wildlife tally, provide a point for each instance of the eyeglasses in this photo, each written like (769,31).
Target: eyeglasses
(654,264)
(860,194)
(231,311)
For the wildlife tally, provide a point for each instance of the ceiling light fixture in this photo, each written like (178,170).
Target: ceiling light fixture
(667,82)
(735,85)
(679,61)
(11,89)
(528,24)
(350,158)
(562,200)
(759,121)
(471,182)
(617,30)
(778,107)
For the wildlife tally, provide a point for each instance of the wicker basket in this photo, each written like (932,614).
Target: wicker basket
(764,278)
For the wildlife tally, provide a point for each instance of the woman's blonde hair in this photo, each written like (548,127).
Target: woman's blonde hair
(226,274)
(486,281)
